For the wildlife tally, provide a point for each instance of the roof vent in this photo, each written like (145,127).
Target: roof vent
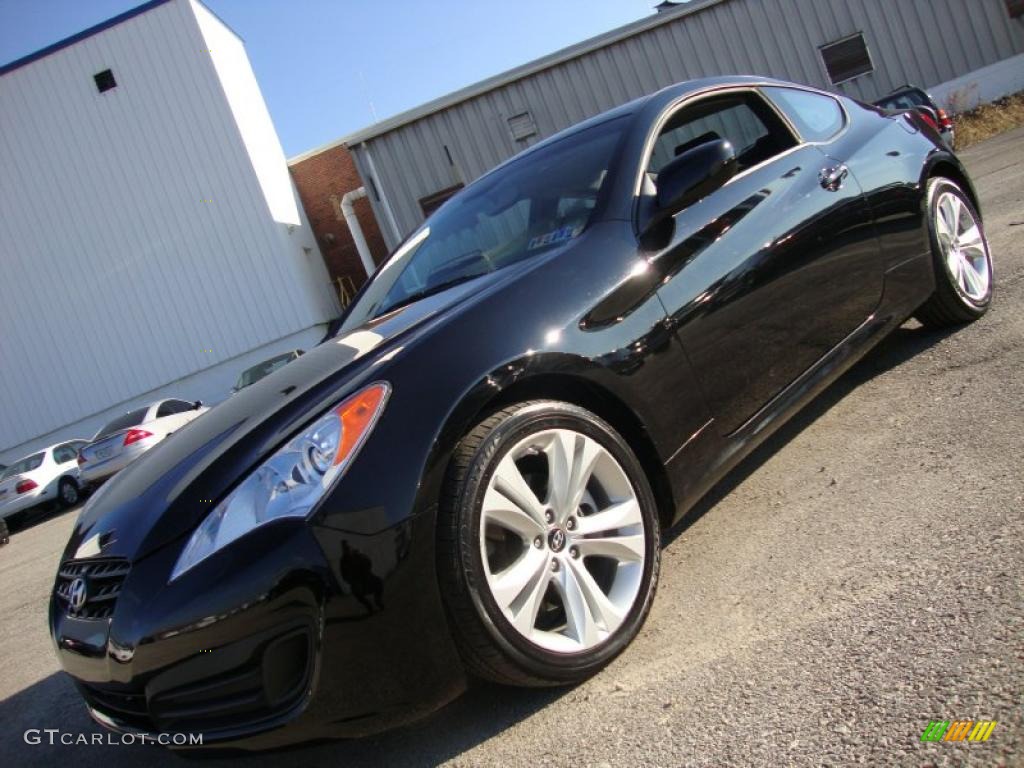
(522,126)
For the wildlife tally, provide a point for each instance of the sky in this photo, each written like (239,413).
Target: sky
(330,67)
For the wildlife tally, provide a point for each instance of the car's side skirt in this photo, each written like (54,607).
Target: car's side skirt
(707,458)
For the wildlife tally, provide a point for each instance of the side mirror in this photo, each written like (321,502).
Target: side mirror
(696,173)
(197,404)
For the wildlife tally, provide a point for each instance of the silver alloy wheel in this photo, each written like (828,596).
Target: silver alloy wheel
(564,566)
(69,493)
(963,247)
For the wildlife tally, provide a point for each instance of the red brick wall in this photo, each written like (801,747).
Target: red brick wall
(322,180)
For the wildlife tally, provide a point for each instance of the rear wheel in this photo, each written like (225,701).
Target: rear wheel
(67,493)
(960,258)
(548,545)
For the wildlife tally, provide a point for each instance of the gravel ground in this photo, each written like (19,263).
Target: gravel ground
(855,578)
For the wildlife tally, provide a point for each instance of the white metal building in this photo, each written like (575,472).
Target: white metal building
(151,241)
(964,51)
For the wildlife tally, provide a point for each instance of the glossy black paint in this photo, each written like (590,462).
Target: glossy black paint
(691,176)
(695,342)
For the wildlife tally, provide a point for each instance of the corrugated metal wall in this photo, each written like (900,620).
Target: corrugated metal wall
(136,243)
(920,41)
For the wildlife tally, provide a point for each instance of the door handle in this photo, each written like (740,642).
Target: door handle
(832,178)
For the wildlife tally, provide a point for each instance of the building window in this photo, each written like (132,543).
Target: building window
(522,126)
(105,80)
(431,203)
(847,58)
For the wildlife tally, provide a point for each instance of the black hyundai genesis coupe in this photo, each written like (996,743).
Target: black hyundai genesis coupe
(471,477)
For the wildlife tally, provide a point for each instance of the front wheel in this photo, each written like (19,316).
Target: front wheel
(548,545)
(961,258)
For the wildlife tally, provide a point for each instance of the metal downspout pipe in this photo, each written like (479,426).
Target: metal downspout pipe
(349,212)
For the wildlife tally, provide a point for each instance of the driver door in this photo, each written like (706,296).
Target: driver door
(771,271)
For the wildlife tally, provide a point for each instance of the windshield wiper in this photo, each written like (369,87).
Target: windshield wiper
(434,289)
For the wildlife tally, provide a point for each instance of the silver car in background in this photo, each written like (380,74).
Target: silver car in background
(45,476)
(129,436)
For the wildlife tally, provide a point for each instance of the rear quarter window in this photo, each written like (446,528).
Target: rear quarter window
(816,116)
(25,465)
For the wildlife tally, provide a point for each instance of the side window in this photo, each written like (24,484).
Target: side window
(65,453)
(816,116)
(172,407)
(744,119)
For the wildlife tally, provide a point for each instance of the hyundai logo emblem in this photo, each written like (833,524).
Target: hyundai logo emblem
(77,594)
(556,540)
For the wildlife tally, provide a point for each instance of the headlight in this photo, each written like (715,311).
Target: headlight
(293,480)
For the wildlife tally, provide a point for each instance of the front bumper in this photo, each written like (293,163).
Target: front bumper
(267,643)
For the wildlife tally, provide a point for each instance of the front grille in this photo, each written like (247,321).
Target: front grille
(103,579)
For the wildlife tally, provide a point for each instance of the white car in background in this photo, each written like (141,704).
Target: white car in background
(127,437)
(45,476)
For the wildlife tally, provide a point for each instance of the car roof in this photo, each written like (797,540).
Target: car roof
(158,403)
(147,407)
(666,95)
(47,449)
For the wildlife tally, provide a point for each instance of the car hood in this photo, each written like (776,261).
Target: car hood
(167,492)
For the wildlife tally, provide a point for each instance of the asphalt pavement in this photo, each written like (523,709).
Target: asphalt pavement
(857,577)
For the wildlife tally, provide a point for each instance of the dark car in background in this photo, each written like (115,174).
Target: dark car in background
(251,375)
(912,97)
(471,478)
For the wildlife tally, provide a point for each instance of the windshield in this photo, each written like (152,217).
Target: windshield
(257,372)
(535,203)
(25,465)
(130,419)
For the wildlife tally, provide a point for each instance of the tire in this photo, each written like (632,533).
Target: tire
(962,265)
(67,493)
(576,610)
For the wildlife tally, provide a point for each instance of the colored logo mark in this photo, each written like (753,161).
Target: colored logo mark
(958,730)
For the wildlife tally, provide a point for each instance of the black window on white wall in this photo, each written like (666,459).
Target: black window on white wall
(847,58)
(104,80)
